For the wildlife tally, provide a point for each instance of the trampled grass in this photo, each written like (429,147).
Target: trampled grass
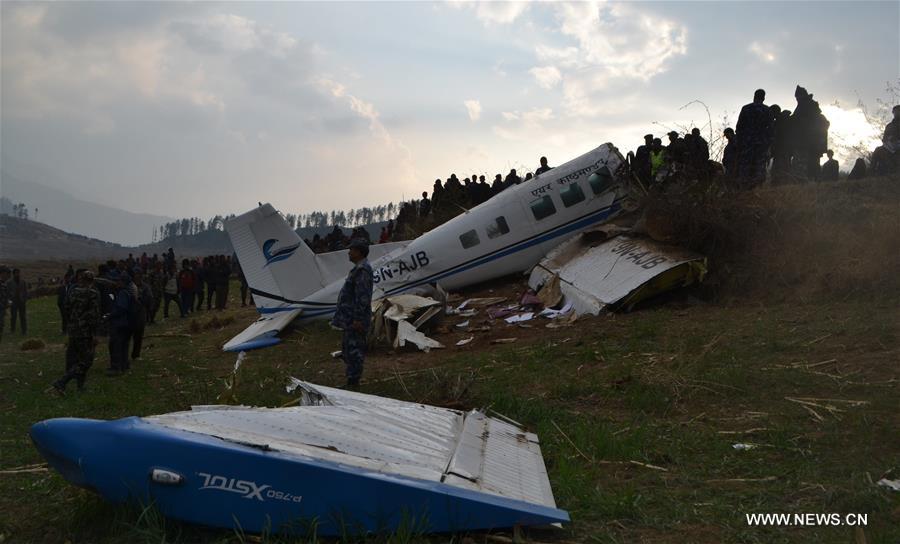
(637,416)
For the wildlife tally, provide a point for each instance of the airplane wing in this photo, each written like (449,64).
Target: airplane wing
(262,332)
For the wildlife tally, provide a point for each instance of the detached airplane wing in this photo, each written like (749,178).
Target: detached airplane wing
(286,278)
(263,332)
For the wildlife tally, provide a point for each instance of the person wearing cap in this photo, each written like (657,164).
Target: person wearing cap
(353,314)
(83,307)
(729,154)
(543,168)
(4,297)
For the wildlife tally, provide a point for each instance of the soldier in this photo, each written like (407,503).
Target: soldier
(121,318)
(354,312)
(4,297)
(156,279)
(144,302)
(754,136)
(83,306)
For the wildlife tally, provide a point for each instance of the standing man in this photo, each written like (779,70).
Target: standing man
(120,321)
(4,297)
(729,154)
(141,312)
(754,131)
(83,305)
(18,294)
(543,168)
(186,282)
(830,168)
(354,312)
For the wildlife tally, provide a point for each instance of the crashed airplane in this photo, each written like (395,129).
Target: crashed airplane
(509,233)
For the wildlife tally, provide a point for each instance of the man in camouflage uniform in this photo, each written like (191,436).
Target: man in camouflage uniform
(354,312)
(4,297)
(83,306)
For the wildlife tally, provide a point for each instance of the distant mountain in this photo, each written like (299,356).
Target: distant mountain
(59,209)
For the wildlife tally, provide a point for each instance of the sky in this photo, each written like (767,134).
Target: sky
(195,109)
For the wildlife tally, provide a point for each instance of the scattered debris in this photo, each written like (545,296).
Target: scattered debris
(465,341)
(743,447)
(398,319)
(890,484)
(463,325)
(408,333)
(518,318)
(336,354)
(503,340)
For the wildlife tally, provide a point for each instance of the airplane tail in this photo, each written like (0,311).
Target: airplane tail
(278,265)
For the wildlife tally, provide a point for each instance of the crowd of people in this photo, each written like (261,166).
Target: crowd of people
(120,300)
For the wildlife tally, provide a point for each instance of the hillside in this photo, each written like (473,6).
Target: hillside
(25,240)
(69,213)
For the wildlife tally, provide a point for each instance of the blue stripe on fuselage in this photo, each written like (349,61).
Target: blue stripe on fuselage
(539,238)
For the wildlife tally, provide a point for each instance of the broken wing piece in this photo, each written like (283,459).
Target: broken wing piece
(262,332)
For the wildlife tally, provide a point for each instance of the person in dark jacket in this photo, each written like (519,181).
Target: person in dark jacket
(729,154)
(754,133)
(353,314)
(830,168)
(4,297)
(120,320)
(18,296)
(186,283)
(809,131)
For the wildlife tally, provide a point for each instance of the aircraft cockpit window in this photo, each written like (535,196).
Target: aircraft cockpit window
(543,207)
(601,180)
(469,239)
(572,195)
(497,228)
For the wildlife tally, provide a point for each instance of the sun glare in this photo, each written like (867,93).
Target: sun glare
(850,130)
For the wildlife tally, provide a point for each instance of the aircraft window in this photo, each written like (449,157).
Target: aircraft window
(572,195)
(543,207)
(469,239)
(497,228)
(601,180)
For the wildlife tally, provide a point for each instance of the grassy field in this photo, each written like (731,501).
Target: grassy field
(637,415)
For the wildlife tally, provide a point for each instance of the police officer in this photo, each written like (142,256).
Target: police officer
(354,312)
(83,307)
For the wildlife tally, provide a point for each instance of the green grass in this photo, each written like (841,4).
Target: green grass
(632,412)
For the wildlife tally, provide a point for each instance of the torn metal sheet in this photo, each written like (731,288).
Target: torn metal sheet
(465,341)
(617,273)
(519,318)
(407,333)
(404,306)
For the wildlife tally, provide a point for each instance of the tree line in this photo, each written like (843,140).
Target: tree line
(15,209)
(353,217)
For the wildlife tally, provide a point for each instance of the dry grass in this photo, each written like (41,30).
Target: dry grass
(790,242)
(32,344)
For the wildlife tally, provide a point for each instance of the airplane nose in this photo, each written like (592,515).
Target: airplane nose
(59,441)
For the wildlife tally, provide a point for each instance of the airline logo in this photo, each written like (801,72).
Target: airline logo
(245,488)
(279,254)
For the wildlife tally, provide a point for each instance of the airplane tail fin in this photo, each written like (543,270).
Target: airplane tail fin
(278,265)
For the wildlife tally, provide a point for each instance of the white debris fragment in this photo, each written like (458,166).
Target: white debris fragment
(891,484)
(293,385)
(465,341)
(462,325)
(518,318)
(239,362)
(336,354)
(550,313)
(743,447)
(468,313)
(407,333)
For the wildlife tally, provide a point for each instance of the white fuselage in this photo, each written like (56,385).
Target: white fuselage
(509,233)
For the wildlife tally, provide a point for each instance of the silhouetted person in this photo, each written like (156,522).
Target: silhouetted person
(886,157)
(809,131)
(511,179)
(676,151)
(781,147)
(830,168)
(543,168)
(424,205)
(528,177)
(730,154)
(497,185)
(754,136)
(859,170)
(18,297)
(641,163)
(698,153)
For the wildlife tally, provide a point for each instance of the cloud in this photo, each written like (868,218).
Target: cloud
(764,52)
(546,76)
(473,107)
(493,13)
